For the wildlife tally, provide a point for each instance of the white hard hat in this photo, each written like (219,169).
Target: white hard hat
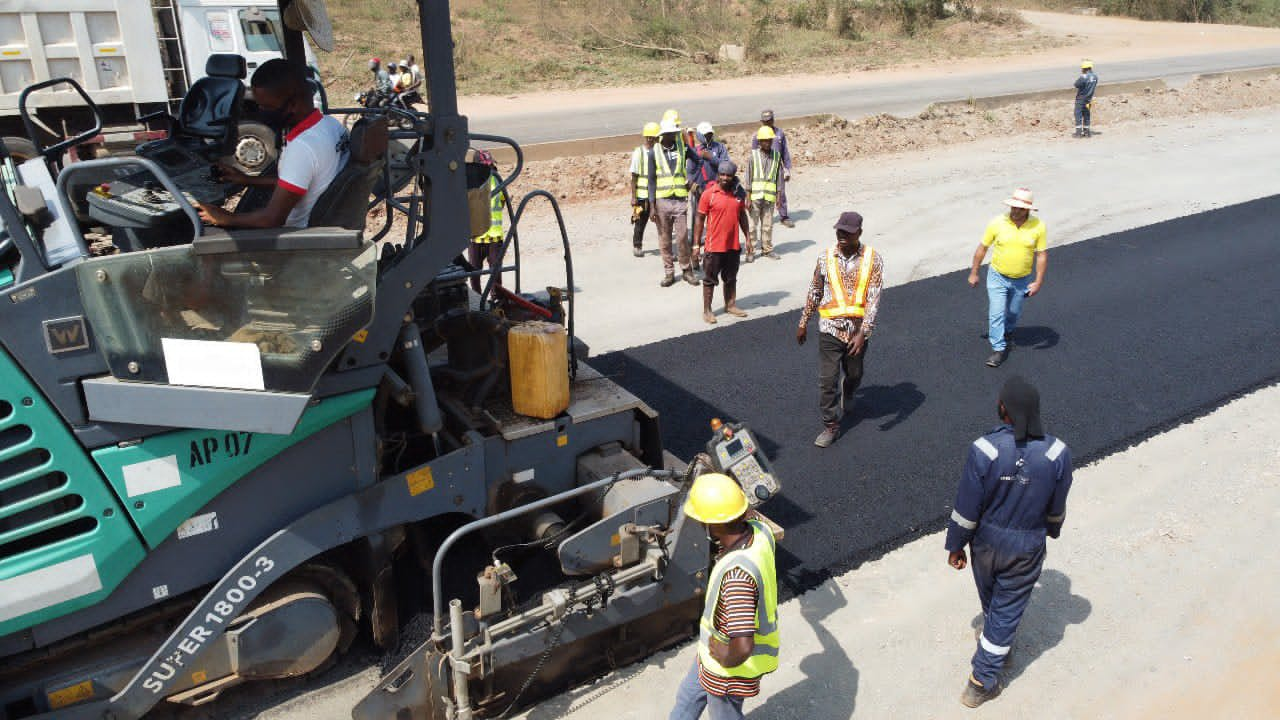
(704,128)
(670,127)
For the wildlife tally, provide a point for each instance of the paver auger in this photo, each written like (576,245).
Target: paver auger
(223,454)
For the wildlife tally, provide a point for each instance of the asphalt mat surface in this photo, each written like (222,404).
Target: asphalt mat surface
(1132,333)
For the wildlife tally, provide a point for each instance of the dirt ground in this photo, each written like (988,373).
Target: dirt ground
(595,177)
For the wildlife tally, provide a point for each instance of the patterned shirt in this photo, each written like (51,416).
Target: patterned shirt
(735,617)
(819,294)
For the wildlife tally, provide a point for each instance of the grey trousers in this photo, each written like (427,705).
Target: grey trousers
(673,219)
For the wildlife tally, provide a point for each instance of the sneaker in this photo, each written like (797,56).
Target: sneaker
(689,277)
(637,252)
(668,281)
(788,222)
(826,437)
(997,357)
(772,255)
(974,694)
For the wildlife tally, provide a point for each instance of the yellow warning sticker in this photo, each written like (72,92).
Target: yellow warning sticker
(562,440)
(614,539)
(361,336)
(71,695)
(420,481)
(199,676)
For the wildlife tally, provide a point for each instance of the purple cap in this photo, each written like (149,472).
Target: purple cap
(849,222)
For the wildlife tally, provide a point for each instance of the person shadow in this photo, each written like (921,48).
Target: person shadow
(793,246)
(829,673)
(1052,609)
(1036,337)
(894,402)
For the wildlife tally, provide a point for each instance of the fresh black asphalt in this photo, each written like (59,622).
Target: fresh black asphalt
(1133,333)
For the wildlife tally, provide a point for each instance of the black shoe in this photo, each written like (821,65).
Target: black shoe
(997,357)
(975,694)
(668,281)
(788,222)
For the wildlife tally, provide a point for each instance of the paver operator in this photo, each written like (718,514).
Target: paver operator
(1086,85)
(722,211)
(845,291)
(1018,265)
(738,633)
(671,190)
(1013,492)
(641,187)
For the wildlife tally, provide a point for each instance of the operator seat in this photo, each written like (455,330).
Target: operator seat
(208,116)
(345,203)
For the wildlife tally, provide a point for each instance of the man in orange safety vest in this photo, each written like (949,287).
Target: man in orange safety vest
(846,293)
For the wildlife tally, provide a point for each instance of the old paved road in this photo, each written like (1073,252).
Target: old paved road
(849,97)
(1134,332)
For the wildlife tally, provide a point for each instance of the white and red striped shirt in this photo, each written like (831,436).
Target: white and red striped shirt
(315,151)
(735,617)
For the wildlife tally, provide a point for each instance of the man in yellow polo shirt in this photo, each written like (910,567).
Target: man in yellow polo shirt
(1017,268)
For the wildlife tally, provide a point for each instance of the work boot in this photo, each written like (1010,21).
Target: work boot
(975,694)
(637,252)
(788,222)
(708,293)
(827,436)
(1078,133)
(1088,132)
(997,357)
(689,277)
(668,281)
(731,301)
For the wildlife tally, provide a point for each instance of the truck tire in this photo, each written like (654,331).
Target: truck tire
(20,149)
(255,149)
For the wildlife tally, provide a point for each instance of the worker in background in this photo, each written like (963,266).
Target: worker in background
(1013,492)
(764,176)
(779,146)
(1086,85)
(487,246)
(315,151)
(670,182)
(845,291)
(1017,269)
(738,633)
(381,81)
(722,211)
(410,81)
(708,156)
(641,186)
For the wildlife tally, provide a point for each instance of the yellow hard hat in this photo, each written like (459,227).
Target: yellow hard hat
(765,133)
(652,129)
(1086,64)
(715,499)
(671,115)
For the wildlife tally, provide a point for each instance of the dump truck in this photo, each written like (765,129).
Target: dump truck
(134,58)
(226,453)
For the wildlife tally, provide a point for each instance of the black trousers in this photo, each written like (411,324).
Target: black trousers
(834,364)
(642,222)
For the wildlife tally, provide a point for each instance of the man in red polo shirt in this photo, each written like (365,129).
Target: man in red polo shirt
(315,152)
(722,211)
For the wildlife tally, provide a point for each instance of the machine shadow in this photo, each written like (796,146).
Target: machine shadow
(829,673)
(1052,609)
(893,402)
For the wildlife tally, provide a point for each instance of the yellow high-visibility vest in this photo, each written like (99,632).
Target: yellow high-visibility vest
(764,181)
(494,233)
(842,304)
(758,561)
(670,181)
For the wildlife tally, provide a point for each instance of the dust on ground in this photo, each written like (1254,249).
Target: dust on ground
(604,176)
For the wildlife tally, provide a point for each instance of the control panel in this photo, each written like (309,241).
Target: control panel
(736,453)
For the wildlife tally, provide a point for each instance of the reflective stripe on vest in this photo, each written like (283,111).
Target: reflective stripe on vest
(494,233)
(843,305)
(764,185)
(670,181)
(642,180)
(757,560)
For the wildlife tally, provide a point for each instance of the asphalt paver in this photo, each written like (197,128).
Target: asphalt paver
(1132,333)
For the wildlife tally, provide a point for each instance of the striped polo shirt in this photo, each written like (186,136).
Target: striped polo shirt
(735,617)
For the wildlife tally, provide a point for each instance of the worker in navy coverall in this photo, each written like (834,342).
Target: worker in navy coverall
(1012,494)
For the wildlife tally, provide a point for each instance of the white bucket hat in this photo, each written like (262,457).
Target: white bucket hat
(705,128)
(1021,198)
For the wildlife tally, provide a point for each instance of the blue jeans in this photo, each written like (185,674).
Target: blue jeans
(1005,296)
(692,699)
